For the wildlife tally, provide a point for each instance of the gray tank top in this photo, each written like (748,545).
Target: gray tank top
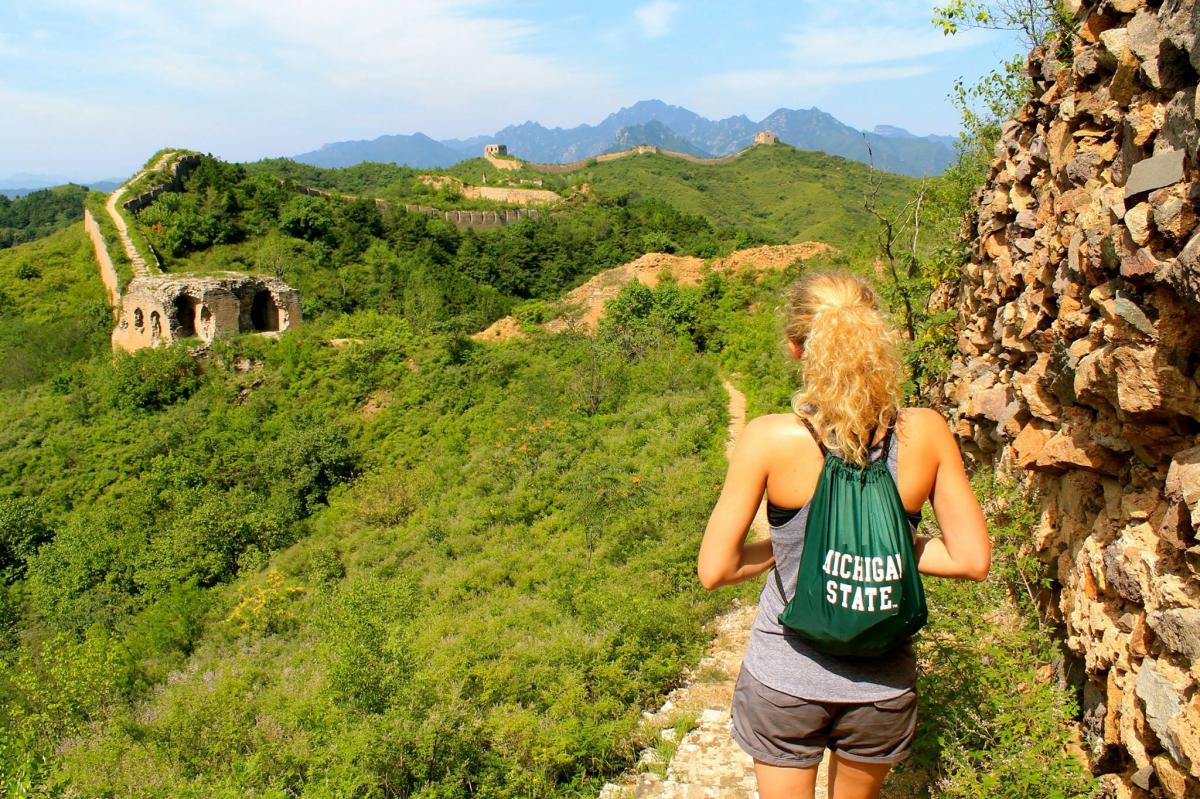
(781,660)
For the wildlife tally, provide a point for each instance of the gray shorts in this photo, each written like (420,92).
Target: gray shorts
(783,730)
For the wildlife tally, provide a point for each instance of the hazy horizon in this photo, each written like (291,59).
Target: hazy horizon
(95,87)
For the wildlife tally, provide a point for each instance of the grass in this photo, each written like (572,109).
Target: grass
(681,722)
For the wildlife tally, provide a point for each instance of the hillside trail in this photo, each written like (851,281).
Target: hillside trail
(707,764)
(136,261)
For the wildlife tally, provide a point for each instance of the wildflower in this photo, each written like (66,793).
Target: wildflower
(633,478)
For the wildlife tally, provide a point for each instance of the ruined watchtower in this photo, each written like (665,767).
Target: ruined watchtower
(765,137)
(495,150)
(166,308)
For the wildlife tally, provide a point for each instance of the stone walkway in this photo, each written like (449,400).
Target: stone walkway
(707,764)
(137,262)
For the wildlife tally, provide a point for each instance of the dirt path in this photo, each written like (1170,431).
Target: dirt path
(137,262)
(707,763)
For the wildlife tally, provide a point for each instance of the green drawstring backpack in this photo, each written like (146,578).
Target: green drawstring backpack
(858,592)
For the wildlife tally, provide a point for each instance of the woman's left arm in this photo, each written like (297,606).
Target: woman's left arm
(725,556)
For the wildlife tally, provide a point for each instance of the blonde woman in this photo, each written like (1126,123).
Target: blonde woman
(792,702)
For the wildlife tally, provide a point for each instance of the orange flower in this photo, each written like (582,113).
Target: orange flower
(635,479)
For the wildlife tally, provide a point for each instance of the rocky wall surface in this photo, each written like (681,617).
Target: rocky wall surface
(1077,369)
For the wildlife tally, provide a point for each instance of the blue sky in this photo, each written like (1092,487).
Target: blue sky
(91,87)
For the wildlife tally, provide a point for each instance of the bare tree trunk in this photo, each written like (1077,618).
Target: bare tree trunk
(892,228)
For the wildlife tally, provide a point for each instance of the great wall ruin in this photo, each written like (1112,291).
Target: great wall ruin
(475,220)
(156,309)
(1077,369)
(497,155)
(163,309)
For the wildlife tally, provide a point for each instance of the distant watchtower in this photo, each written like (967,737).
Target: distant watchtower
(764,137)
(495,150)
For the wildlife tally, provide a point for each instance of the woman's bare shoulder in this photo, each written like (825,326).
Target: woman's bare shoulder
(775,422)
(776,427)
(925,425)
(921,417)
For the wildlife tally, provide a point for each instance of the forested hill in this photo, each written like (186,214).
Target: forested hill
(776,194)
(39,213)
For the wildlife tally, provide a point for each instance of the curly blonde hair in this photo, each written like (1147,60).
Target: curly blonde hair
(850,369)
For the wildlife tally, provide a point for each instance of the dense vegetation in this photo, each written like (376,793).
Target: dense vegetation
(413,566)
(39,213)
(458,570)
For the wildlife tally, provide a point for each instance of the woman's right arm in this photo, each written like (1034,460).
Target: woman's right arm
(964,549)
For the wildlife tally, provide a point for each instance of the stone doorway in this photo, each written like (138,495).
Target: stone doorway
(264,313)
(185,315)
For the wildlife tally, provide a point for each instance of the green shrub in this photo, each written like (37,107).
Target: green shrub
(22,530)
(153,378)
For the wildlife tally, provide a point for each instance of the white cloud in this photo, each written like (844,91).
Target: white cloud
(655,18)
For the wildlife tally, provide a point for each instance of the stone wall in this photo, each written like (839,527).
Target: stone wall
(1077,369)
(635,150)
(108,273)
(503,194)
(476,220)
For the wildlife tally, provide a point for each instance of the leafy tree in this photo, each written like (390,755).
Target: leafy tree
(22,530)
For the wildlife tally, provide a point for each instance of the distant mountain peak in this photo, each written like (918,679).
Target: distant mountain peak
(658,134)
(653,121)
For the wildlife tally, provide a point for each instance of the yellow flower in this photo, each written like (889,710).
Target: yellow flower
(634,478)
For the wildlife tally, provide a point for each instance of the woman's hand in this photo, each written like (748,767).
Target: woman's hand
(725,556)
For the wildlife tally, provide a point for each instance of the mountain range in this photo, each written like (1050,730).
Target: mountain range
(668,126)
